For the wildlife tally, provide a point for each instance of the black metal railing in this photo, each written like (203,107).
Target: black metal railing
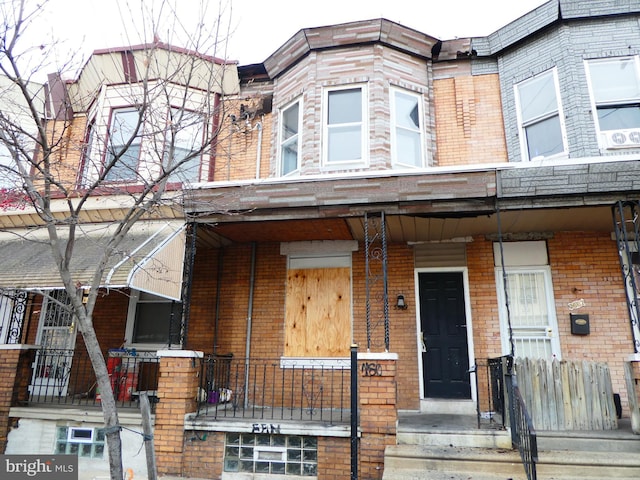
(490,401)
(66,377)
(523,435)
(268,389)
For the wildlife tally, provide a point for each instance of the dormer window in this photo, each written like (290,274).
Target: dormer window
(345,126)
(122,161)
(539,116)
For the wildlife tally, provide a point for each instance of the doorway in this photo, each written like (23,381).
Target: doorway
(443,329)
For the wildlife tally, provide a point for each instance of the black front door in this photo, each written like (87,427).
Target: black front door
(445,361)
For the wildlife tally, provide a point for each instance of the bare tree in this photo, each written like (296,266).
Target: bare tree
(132,125)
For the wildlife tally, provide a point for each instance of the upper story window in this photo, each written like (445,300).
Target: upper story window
(615,97)
(290,128)
(540,116)
(345,126)
(406,129)
(125,160)
(183,145)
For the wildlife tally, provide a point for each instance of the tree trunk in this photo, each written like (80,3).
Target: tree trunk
(109,411)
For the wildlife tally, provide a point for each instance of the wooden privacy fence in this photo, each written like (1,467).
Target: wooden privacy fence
(566,395)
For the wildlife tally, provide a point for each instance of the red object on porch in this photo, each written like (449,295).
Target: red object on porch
(113,369)
(128,382)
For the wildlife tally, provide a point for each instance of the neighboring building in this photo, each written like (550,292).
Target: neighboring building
(436,203)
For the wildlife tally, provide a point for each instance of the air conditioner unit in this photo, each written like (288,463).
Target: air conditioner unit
(627,138)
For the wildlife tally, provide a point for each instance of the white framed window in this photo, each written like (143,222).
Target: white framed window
(614,85)
(122,129)
(183,144)
(153,322)
(525,297)
(540,119)
(345,125)
(406,128)
(290,132)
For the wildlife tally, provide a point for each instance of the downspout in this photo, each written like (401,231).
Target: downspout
(217,314)
(252,281)
(259,153)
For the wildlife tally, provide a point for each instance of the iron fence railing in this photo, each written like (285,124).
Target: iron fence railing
(490,401)
(268,389)
(523,435)
(66,377)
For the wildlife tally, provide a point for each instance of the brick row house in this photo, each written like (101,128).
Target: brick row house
(426,205)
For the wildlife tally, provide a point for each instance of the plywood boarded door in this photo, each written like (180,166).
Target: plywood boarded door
(318,312)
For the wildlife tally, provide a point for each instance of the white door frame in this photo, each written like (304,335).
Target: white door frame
(469,323)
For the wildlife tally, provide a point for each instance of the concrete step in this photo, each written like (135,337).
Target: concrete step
(620,440)
(408,462)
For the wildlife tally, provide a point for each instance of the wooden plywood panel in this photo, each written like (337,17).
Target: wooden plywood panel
(318,319)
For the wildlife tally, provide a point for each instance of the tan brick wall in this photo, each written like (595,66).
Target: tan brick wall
(378,415)
(177,387)
(468,119)
(585,261)
(585,265)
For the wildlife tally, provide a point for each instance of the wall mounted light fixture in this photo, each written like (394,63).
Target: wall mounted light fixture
(400,303)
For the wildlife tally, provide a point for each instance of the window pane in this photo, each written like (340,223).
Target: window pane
(290,121)
(123,125)
(407,111)
(537,97)
(345,143)
(408,148)
(153,322)
(185,135)
(544,138)
(126,167)
(617,118)
(615,80)
(289,157)
(345,106)
(289,138)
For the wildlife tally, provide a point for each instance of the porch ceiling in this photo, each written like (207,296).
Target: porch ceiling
(409,228)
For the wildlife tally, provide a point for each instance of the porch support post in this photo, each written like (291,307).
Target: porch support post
(632,377)
(177,389)
(377,387)
(15,374)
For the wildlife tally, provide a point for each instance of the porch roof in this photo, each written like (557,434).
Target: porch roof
(150,258)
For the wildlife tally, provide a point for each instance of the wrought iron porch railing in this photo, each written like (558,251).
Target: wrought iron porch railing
(523,435)
(267,390)
(66,377)
(490,401)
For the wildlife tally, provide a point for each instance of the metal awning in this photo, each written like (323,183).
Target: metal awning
(150,258)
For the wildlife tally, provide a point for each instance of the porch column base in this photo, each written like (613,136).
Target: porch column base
(15,374)
(632,377)
(177,390)
(377,388)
